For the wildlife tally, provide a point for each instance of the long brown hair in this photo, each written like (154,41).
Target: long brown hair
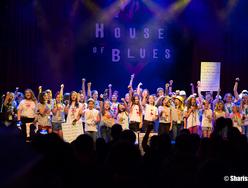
(133,100)
(33,98)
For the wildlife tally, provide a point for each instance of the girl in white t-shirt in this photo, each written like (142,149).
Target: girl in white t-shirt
(150,114)
(122,116)
(92,118)
(207,119)
(192,115)
(74,109)
(135,113)
(26,114)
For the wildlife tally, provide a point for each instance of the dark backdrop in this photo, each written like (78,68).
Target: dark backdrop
(48,42)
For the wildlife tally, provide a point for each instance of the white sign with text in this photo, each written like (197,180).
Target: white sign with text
(71,132)
(210,76)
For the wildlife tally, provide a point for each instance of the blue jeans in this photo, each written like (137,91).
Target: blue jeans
(93,134)
(105,133)
(56,126)
(245,130)
(176,128)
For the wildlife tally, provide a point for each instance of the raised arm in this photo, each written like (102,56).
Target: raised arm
(138,88)
(144,99)
(167,89)
(131,81)
(217,97)
(16,92)
(61,92)
(235,89)
(158,101)
(170,86)
(199,90)
(39,91)
(101,103)
(89,89)
(110,91)
(83,88)
(192,87)
(124,102)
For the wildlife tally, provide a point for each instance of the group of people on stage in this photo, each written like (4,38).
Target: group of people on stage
(139,110)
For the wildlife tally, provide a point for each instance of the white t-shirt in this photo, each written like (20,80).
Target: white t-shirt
(164,114)
(205,121)
(122,119)
(151,112)
(193,119)
(135,114)
(73,113)
(27,108)
(114,109)
(90,117)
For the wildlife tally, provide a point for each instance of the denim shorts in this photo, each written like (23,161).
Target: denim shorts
(56,126)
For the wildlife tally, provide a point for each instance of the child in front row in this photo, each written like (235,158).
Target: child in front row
(192,120)
(165,116)
(135,113)
(207,117)
(58,115)
(122,116)
(150,114)
(92,118)
(236,117)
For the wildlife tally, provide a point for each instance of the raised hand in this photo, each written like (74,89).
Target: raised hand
(132,76)
(199,84)
(40,89)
